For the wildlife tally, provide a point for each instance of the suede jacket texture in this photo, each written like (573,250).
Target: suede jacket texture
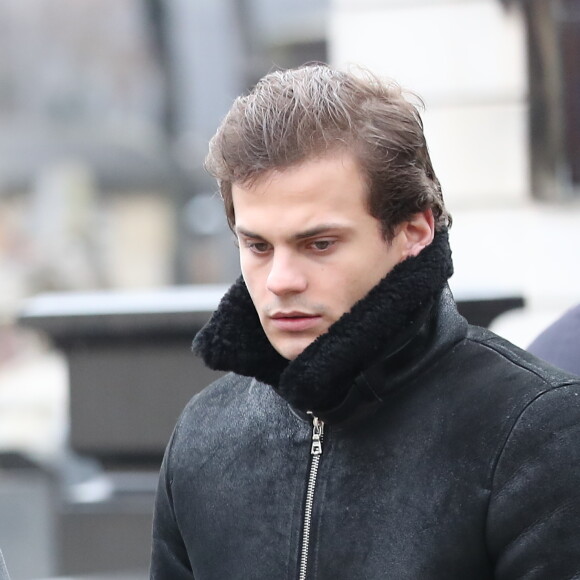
(447,452)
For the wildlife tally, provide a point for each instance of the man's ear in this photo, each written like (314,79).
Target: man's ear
(417,233)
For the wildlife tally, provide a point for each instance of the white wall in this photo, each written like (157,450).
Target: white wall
(466,59)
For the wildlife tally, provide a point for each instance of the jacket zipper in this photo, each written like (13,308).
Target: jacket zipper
(316,452)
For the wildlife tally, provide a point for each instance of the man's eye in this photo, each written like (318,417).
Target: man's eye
(259,247)
(322,245)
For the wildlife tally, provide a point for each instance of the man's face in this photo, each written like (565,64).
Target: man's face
(309,249)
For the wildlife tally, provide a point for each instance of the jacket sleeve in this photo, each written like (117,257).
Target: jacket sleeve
(533,530)
(169,559)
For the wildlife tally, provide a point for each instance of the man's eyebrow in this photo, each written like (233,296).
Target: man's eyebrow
(247,233)
(318,230)
(311,233)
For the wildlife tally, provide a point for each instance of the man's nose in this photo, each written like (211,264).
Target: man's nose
(286,275)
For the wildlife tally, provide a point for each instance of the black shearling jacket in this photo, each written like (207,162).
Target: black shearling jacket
(446,452)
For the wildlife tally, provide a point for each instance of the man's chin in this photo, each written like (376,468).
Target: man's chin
(290,348)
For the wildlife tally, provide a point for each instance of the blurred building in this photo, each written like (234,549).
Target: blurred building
(106,107)
(84,175)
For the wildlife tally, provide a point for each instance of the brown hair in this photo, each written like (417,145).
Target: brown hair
(315,110)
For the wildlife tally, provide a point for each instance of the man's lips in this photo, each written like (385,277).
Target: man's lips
(294,321)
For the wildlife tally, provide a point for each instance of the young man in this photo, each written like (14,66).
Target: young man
(365,431)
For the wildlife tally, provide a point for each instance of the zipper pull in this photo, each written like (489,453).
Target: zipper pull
(317,433)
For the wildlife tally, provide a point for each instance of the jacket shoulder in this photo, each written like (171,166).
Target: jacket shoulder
(224,393)
(222,389)
(223,409)
(521,363)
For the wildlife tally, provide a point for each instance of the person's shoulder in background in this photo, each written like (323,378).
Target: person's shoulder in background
(559,343)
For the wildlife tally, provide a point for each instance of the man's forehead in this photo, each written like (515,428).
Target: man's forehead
(339,154)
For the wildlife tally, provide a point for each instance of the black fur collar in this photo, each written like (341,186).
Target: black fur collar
(319,378)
